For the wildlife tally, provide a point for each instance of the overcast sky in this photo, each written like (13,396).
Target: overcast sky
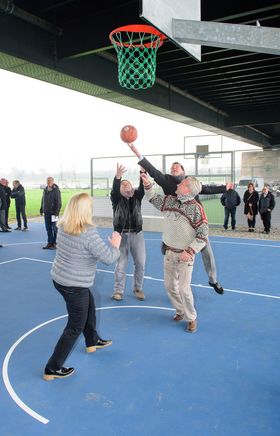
(44,126)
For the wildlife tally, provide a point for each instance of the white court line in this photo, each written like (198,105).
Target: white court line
(25,243)
(235,291)
(12,260)
(245,243)
(5,367)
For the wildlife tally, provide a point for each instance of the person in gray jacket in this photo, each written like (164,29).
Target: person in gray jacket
(80,247)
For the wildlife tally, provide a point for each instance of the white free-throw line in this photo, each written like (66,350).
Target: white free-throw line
(5,372)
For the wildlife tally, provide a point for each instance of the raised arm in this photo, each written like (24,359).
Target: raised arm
(115,193)
(167,182)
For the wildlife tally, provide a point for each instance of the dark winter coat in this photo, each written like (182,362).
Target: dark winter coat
(19,195)
(252,198)
(169,183)
(3,201)
(51,201)
(266,202)
(230,199)
(127,212)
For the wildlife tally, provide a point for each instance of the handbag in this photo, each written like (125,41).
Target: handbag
(250,215)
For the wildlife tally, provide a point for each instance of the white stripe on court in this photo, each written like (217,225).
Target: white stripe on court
(12,260)
(245,243)
(235,291)
(25,243)
(5,372)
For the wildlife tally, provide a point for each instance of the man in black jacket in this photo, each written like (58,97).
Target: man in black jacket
(168,183)
(3,207)
(50,207)
(230,200)
(266,205)
(18,194)
(128,221)
(8,192)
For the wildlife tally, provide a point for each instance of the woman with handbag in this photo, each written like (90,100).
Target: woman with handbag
(251,198)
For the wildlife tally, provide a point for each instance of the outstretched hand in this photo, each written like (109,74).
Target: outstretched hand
(115,240)
(120,171)
(146,180)
(134,149)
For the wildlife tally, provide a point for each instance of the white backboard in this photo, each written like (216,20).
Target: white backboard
(159,13)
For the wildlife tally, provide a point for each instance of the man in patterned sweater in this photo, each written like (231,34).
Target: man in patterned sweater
(185,233)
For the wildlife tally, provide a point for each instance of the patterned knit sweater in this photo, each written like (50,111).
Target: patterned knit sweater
(76,257)
(185,225)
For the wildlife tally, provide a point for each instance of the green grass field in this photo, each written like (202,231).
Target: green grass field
(213,208)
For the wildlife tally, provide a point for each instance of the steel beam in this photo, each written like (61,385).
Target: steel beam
(233,36)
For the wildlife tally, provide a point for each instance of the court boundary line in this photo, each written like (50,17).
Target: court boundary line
(5,366)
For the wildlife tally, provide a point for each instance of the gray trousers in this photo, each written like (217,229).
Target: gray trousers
(209,263)
(133,243)
(3,220)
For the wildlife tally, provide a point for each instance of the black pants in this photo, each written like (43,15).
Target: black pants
(20,212)
(50,227)
(7,216)
(81,319)
(266,219)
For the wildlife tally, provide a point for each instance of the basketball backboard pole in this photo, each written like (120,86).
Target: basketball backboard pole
(233,36)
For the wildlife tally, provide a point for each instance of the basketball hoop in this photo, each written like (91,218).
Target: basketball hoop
(136,46)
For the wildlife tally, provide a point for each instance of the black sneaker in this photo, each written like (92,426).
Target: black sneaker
(51,374)
(218,287)
(101,343)
(18,228)
(24,229)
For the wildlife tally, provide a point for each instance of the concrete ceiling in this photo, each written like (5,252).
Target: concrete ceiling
(230,92)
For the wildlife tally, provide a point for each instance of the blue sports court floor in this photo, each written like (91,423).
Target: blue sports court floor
(156,379)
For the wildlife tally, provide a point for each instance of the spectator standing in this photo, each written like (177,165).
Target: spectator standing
(251,198)
(18,193)
(3,207)
(266,205)
(128,221)
(50,207)
(8,192)
(230,200)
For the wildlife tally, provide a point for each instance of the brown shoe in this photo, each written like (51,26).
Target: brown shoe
(178,317)
(139,294)
(117,296)
(191,326)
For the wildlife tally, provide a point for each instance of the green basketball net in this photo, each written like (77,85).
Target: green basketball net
(136,47)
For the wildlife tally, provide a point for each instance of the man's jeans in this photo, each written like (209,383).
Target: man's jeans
(232,213)
(81,319)
(133,243)
(51,228)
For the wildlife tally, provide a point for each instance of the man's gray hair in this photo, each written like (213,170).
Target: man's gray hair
(194,185)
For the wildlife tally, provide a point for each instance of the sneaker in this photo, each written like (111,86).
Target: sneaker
(177,317)
(48,247)
(191,326)
(101,343)
(51,374)
(24,229)
(218,287)
(117,296)
(18,228)
(139,294)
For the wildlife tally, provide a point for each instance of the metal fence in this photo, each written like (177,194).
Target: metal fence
(210,168)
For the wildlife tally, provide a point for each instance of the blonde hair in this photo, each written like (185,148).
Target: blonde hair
(77,214)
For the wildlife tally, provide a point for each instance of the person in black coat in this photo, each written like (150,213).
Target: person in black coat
(168,183)
(18,194)
(266,205)
(3,207)
(8,192)
(127,220)
(251,198)
(230,200)
(50,207)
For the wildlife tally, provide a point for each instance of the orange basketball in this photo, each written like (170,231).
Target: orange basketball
(128,134)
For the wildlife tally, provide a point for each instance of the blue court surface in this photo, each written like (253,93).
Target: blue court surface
(156,379)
